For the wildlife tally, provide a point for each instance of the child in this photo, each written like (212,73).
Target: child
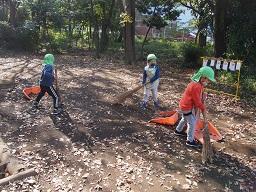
(46,84)
(150,81)
(191,101)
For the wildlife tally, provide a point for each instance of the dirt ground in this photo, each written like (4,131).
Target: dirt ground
(97,146)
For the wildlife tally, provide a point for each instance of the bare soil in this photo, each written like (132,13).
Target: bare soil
(97,146)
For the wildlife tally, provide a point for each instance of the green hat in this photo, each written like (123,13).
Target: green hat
(204,72)
(151,57)
(48,59)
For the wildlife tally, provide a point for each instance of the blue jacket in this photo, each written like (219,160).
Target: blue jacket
(47,76)
(156,76)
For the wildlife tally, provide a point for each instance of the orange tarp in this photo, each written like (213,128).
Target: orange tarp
(171,120)
(31,90)
(214,133)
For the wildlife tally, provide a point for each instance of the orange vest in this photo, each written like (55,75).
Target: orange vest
(192,97)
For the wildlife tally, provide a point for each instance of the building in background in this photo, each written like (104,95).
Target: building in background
(172,31)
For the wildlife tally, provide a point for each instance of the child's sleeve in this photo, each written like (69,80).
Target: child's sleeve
(144,77)
(197,99)
(157,75)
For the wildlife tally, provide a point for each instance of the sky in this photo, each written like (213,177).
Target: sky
(186,16)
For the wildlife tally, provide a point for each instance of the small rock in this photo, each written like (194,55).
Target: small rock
(85,176)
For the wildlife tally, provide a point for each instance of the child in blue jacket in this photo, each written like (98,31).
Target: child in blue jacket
(150,81)
(46,84)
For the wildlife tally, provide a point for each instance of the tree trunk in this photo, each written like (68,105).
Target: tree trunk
(95,31)
(104,41)
(133,30)
(220,40)
(104,37)
(96,40)
(69,25)
(120,36)
(13,11)
(202,32)
(4,10)
(130,33)
(202,40)
(90,35)
(144,41)
(201,37)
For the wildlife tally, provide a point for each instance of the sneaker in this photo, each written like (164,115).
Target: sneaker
(192,144)
(34,107)
(156,105)
(143,105)
(56,111)
(182,133)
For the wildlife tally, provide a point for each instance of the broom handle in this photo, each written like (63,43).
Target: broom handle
(56,78)
(57,84)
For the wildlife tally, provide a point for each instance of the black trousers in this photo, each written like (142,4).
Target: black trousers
(52,92)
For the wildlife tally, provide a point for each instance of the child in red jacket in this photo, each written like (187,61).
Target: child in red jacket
(191,101)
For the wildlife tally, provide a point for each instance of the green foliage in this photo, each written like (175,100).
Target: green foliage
(157,12)
(241,44)
(125,18)
(22,15)
(3,14)
(6,33)
(248,85)
(24,37)
(58,42)
(162,48)
(27,37)
(192,55)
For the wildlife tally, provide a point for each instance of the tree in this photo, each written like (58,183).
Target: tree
(158,13)
(108,12)
(128,19)
(203,11)
(11,6)
(220,27)
(13,10)
(241,36)
(95,27)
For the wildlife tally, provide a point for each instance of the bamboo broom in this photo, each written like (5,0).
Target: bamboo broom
(207,151)
(121,98)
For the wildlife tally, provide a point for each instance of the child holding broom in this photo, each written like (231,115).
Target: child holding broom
(46,84)
(191,101)
(150,81)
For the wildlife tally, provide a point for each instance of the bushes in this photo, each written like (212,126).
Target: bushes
(165,50)
(27,36)
(21,38)
(192,55)
(6,34)
(162,48)
(56,42)
(249,84)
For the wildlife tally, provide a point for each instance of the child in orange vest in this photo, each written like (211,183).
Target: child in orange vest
(191,101)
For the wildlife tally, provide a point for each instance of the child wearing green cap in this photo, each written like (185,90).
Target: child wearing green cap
(191,101)
(46,84)
(150,81)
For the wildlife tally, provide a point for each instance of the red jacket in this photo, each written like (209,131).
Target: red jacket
(192,97)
